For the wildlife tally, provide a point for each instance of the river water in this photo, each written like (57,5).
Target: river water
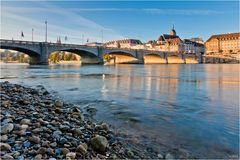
(193,107)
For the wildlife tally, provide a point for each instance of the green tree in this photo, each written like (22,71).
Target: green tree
(54,57)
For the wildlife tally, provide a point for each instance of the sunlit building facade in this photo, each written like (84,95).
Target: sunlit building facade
(223,43)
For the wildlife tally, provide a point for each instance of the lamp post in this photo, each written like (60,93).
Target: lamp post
(32,34)
(102,35)
(46,31)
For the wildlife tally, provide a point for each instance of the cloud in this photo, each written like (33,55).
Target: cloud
(15,19)
(180,11)
(146,10)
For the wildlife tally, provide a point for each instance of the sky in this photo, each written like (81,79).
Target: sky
(102,21)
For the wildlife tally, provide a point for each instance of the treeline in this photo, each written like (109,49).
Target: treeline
(8,56)
(62,56)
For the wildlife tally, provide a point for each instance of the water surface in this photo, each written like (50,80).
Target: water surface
(193,107)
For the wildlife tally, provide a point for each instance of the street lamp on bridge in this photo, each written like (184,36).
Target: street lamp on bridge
(46,31)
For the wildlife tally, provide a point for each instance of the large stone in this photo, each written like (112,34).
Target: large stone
(7,128)
(99,143)
(5,147)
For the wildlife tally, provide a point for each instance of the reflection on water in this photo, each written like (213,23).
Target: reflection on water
(194,107)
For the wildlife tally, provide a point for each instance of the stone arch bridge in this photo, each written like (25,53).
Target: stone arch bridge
(40,51)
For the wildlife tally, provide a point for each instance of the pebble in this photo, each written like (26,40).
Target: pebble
(65,151)
(5,103)
(3,138)
(38,157)
(7,128)
(71,155)
(99,143)
(25,121)
(58,103)
(160,156)
(82,149)
(78,132)
(7,157)
(5,147)
(169,156)
(40,127)
(34,139)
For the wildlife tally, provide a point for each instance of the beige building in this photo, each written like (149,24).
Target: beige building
(125,43)
(225,43)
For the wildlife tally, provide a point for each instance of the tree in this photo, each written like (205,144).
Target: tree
(54,57)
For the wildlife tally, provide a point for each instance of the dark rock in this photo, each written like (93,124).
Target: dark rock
(99,143)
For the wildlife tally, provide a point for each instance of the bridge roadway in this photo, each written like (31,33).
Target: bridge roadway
(40,51)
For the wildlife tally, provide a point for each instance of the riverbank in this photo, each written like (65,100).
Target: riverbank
(36,125)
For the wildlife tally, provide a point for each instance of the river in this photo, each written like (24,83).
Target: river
(193,107)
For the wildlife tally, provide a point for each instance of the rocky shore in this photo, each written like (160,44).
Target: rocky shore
(36,125)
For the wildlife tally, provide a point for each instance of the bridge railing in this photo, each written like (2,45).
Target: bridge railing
(17,42)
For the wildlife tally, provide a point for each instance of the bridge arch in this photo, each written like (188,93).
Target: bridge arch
(153,58)
(120,56)
(175,59)
(120,52)
(87,56)
(33,55)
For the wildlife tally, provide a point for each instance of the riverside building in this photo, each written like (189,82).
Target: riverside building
(223,43)
(125,43)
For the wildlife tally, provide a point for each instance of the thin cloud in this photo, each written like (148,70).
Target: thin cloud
(181,11)
(16,16)
(146,10)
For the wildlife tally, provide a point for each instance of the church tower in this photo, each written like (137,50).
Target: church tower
(173,32)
